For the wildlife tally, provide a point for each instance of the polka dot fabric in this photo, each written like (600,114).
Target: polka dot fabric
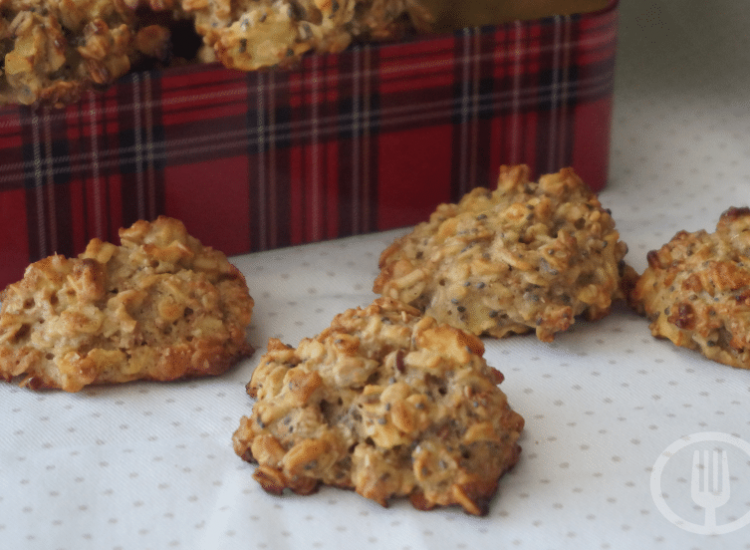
(150,466)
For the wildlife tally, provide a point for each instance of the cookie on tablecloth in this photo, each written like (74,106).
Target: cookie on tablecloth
(696,290)
(386,402)
(160,307)
(527,256)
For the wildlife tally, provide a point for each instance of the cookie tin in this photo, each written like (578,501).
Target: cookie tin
(369,139)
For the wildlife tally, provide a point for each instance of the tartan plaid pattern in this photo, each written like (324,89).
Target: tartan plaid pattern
(369,139)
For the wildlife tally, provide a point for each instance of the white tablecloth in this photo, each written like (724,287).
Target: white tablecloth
(150,466)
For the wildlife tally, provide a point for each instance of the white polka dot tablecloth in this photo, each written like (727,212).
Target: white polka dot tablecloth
(151,466)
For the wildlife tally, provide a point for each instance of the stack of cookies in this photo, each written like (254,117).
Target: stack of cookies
(54,50)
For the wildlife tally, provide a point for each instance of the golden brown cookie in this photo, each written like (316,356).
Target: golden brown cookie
(54,50)
(527,256)
(696,290)
(253,34)
(159,307)
(386,402)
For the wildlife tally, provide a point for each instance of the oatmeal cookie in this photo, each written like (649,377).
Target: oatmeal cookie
(527,256)
(696,290)
(159,307)
(386,402)
(54,50)
(253,34)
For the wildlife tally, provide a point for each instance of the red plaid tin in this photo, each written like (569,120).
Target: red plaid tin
(369,139)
